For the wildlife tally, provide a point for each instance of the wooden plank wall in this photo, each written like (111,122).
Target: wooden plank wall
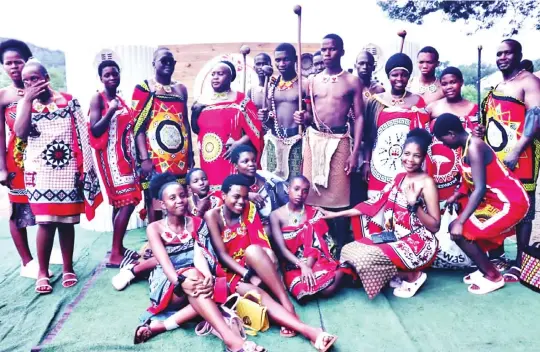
(191,58)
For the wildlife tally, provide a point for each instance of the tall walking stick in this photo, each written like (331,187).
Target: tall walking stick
(479,77)
(298,11)
(245,50)
(402,34)
(268,71)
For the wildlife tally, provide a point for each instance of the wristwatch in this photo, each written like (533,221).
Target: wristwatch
(178,287)
(247,276)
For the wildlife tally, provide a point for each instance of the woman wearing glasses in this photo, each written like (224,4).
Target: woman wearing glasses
(162,131)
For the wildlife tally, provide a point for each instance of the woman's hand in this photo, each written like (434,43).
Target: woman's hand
(206,288)
(456,230)
(308,277)
(191,286)
(327,214)
(257,199)
(147,167)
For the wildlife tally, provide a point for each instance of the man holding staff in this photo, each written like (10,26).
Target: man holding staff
(328,156)
(282,154)
(508,113)
(256,93)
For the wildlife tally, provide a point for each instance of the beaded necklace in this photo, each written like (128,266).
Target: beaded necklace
(295,218)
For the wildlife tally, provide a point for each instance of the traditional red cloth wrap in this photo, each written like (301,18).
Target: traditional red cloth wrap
(310,240)
(14,158)
(443,162)
(116,157)
(219,122)
(504,205)
(59,171)
(415,248)
(391,127)
(504,118)
(161,118)
(237,238)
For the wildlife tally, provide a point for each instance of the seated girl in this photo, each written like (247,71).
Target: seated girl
(268,193)
(301,235)
(492,202)
(201,199)
(396,237)
(199,202)
(241,246)
(182,281)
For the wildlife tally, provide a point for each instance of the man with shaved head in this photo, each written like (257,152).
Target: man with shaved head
(256,93)
(59,174)
(162,131)
(365,65)
(509,114)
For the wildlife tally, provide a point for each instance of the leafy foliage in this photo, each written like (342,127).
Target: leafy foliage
(484,14)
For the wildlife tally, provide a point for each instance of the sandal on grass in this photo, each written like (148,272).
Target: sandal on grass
(249,346)
(45,287)
(482,285)
(69,280)
(324,341)
(124,277)
(287,333)
(512,275)
(145,335)
(409,289)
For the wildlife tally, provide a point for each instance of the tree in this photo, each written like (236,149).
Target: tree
(483,14)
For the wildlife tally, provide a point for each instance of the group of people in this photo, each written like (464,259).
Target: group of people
(267,209)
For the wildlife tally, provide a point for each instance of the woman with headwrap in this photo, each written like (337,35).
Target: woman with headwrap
(224,120)
(389,117)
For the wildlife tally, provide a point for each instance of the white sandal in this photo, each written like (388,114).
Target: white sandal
(485,286)
(123,278)
(321,345)
(409,289)
(472,277)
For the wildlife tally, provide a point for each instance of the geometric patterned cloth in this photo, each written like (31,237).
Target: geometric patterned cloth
(59,173)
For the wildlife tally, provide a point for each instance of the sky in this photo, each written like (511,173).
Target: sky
(67,25)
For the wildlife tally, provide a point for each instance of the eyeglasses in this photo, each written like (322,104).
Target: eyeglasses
(167,61)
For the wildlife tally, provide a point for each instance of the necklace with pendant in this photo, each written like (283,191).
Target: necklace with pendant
(167,88)
(423,88)
(181,236)
(241,230)
(221,95)
(332,78)
(399,100)
(20,92)
(295,218)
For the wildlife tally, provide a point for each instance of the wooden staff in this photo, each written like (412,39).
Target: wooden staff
(479,77)
(298,11)
(402,34)
(268,72)
(245,50)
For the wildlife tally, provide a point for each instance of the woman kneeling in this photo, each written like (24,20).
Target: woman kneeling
(183,278)
(493,201)
(401,222)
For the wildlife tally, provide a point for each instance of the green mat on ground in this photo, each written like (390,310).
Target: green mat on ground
(92,316)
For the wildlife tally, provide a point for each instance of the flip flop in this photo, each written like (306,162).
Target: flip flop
(47,287)
(285,332)
(248,346)
(471,278)
(70,281)
(145,336)
(512,275)
(124,277)
(320,345)
(409,289)
(485,286)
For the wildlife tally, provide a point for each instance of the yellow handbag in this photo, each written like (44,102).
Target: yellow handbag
(252,313)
